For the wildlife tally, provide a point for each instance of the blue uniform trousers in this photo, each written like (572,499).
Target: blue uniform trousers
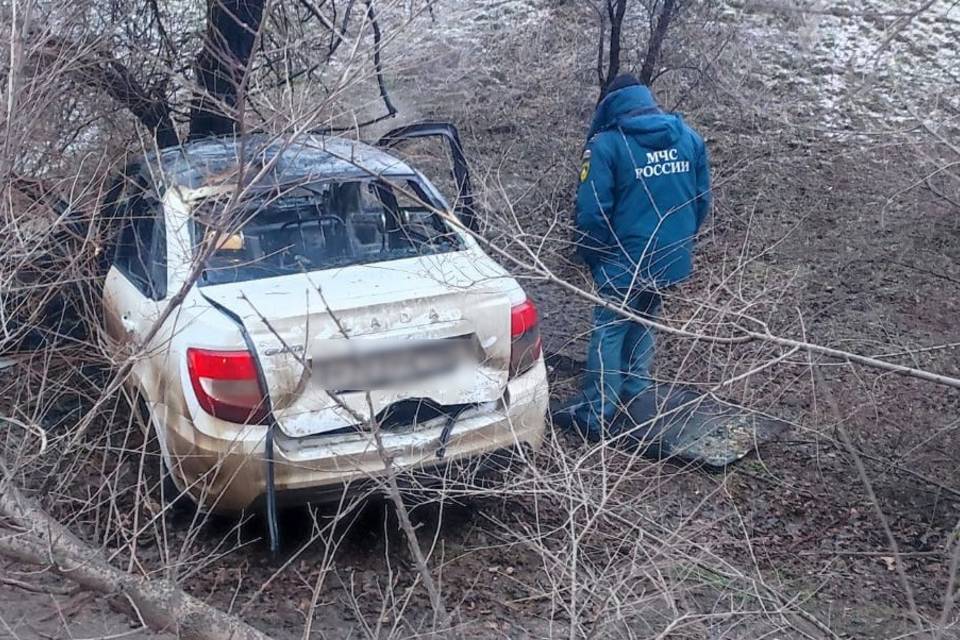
(618,360)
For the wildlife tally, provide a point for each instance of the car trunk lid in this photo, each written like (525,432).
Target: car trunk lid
(434,328)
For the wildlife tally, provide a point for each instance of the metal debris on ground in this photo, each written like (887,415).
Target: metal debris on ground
(681,424)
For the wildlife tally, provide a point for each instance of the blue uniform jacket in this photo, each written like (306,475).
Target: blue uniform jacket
(644,192)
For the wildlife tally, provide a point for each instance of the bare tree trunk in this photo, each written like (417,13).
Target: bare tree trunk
(616,9)
(615,12)
(377,60)
(232,27)
(39,539)
(659,34)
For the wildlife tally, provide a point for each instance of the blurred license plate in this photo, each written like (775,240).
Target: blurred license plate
(370,365)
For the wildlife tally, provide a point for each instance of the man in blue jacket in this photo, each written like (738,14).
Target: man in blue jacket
(644,192)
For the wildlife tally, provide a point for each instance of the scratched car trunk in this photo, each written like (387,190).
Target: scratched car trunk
(299,322)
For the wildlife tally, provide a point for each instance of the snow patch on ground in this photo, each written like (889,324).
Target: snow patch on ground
(470,20)
(863,64)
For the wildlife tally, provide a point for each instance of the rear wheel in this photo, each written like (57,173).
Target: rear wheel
(179,502)
(170,494)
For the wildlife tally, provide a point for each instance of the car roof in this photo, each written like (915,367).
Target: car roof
(307,157)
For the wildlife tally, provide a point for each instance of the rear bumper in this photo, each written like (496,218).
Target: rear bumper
(448,477)
(226,472)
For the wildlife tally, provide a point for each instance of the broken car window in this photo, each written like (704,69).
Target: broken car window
(140,252)
(318,226)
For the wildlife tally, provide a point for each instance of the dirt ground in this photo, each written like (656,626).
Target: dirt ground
(35,605)
(823,229)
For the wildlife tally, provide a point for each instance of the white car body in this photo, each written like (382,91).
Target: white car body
(317,440)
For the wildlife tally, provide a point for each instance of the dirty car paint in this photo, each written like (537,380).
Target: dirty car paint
(296,320)
(271,161)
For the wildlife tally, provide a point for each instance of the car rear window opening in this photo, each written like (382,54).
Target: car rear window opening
(318,226)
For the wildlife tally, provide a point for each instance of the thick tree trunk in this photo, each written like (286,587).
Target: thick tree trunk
(232,27)
(39,539)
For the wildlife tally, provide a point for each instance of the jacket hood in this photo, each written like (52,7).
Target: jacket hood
(635,110)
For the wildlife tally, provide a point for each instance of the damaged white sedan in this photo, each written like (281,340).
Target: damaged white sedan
(329,296)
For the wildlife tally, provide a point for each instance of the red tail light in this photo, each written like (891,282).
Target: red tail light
(227,385)
(525,345)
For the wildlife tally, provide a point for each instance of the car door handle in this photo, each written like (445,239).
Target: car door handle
(128,324)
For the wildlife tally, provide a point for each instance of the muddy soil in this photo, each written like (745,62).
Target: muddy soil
(35,605)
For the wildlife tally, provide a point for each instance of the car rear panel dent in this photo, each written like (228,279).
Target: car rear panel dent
(295,320)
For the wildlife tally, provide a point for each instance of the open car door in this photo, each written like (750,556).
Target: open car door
(434,149)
